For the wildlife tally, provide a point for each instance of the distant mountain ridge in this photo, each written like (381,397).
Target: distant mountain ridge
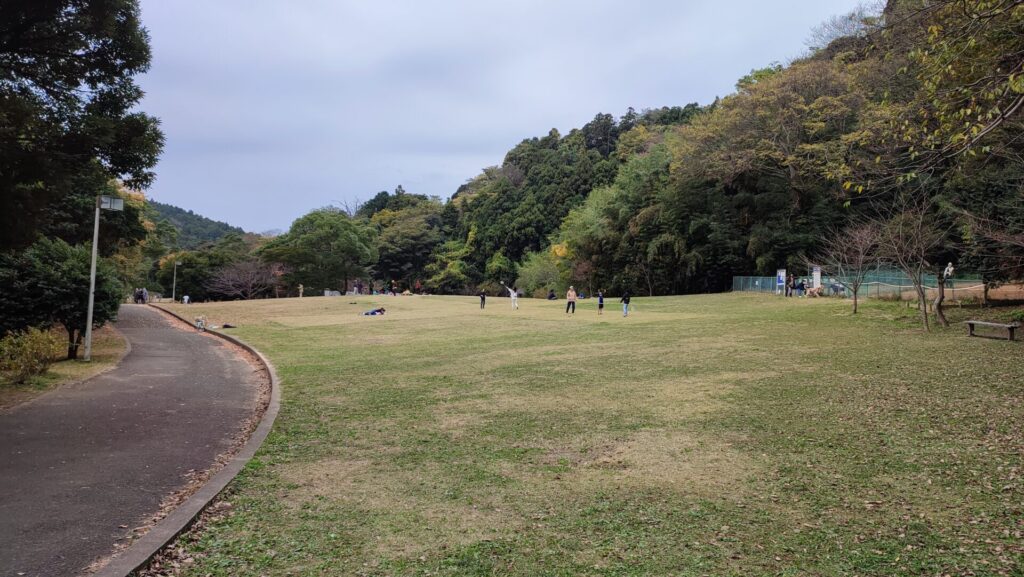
(193,229)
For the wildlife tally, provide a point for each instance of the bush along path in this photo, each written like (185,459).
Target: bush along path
(87,468)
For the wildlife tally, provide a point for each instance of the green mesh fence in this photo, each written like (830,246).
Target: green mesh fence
(878,284)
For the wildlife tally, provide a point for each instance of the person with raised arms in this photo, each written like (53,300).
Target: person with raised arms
(513,294)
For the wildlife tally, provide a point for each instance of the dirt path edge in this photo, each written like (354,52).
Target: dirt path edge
(144,548)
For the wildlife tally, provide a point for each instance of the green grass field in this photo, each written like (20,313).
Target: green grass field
(703,435)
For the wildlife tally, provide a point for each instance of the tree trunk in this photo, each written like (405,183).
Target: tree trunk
(984,295)
(939,315)
(72,345)
(922,304)
(856,289)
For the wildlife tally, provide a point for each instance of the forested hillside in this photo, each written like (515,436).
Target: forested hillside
(193,229)
(903,126)
(914,113)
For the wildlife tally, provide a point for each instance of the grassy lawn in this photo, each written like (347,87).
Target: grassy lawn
(108,346)
(703,435)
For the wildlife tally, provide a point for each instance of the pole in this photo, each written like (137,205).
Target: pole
(174,283)
(92,285)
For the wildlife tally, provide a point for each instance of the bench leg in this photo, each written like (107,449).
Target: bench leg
(970,329)
(1011,329)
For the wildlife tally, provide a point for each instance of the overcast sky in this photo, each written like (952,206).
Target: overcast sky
(272,109)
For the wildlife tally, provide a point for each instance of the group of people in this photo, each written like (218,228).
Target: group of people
(798,287)
(140,296)
(570,296)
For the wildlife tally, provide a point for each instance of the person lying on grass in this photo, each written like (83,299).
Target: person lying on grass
(374,312)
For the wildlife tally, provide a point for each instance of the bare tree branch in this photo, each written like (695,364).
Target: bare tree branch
(245,279)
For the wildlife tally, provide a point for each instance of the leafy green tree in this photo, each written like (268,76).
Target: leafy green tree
(324,249)
(68,103)
(500,268)
(449,271)
(407,236)
(48,284)
(539,273)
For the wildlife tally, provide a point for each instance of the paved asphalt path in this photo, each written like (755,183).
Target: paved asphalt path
(78,463)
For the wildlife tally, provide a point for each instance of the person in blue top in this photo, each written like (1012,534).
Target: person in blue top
(600,301)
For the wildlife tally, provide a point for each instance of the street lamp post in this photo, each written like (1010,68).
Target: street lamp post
(108,203)
(174,283)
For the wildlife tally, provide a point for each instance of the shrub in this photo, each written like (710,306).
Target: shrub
(28,353)
(1017,315)
(538,273)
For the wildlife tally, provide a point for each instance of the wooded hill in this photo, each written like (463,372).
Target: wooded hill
(193,229)
(902,126)
(910,113)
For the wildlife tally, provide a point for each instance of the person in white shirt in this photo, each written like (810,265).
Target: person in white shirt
(514,295)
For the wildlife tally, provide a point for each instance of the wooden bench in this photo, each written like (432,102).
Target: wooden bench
(1010,328)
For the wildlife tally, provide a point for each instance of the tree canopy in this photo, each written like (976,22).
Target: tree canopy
(68,118)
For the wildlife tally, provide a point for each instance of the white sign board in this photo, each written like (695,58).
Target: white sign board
(816,274)
(111,203)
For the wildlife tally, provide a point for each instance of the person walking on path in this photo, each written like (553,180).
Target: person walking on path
(483,299)
(513,293)
(790,283)
(625,303)
(600,302)
(570,297)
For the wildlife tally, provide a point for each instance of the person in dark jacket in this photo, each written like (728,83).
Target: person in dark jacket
(483,299)
(625,303)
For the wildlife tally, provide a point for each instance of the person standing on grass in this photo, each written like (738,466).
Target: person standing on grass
(600,301)
(483,299)
(625,303)
(513,293)
(570,297)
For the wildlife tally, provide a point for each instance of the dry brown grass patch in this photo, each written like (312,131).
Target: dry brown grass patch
(677,460)
(408,511)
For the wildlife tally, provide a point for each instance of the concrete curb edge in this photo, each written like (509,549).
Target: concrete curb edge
(139,553)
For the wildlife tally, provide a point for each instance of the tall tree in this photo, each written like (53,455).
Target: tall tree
(324,250)
(68,118)
(406,240)
(48,284)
